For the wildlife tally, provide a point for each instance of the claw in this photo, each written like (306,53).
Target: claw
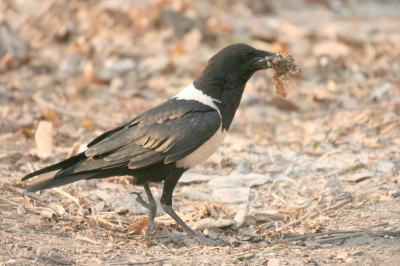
(141,201)
(151,206)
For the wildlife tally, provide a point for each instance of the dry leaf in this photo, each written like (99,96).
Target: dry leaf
(44,137)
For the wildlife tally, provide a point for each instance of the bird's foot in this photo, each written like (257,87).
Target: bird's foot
(152,208)
(141,201)
(149,230)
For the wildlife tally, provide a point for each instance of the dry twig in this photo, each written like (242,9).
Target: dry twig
(337,206)
(67,195)
(84,238)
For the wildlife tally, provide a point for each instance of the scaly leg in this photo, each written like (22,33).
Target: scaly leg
(166,204)
(151,206)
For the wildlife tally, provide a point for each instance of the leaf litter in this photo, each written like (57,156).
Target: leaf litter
(319,169)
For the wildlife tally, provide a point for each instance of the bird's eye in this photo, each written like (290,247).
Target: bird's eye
(244,56)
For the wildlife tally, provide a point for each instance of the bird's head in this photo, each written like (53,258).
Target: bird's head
(237,62)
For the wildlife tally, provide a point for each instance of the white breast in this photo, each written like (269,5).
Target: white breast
(203,152)
(210,146)
(191,93)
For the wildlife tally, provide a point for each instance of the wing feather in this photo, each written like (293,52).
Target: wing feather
(164,134)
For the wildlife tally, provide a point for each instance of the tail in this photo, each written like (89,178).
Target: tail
(77,159)
(62,177)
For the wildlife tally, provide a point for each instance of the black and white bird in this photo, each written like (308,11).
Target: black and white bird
(164,142)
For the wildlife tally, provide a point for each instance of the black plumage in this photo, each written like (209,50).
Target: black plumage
(162,143)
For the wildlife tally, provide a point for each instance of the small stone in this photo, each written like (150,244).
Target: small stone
(394,193)
(333,183)
(117,83)
(12,262)
(391,237)
(190,243)
(110,245)
(384,166)
(360,253)
(120,66)
(42,251)
(211,233)
(342,255)
(228,250)
(27,120)
(311,244)
(108,250)
(55,254)
(21,209)
(274,262)
(364,215)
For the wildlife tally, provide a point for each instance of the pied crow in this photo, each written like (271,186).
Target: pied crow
(163,142)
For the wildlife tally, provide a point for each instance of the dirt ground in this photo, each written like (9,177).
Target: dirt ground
(314,175)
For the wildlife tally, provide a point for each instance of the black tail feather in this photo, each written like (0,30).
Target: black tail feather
(61,181)
(61,165)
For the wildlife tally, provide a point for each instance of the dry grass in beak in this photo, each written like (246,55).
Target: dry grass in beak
(284,68)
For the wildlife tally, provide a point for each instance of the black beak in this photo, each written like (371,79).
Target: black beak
(263,60)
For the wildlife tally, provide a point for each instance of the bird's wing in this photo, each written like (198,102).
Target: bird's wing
(166,133)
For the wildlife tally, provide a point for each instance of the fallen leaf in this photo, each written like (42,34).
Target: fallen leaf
(44,137)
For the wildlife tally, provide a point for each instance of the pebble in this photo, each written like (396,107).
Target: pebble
(228,250)
(17,262)
(211,233)
(394,193)
(42,251)
(12,262)
(350,260)
(190,243)
(108,250)
(333,183)
(21,209)
(274,262)
(342,255)
(384,166)
(55,254)
(360,253)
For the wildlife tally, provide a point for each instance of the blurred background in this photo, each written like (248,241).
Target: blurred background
(70,70)
(87,66)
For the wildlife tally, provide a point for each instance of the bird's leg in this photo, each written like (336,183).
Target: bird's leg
(168,209)
(151,206)
(166,204)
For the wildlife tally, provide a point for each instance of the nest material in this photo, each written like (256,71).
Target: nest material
(284,68)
